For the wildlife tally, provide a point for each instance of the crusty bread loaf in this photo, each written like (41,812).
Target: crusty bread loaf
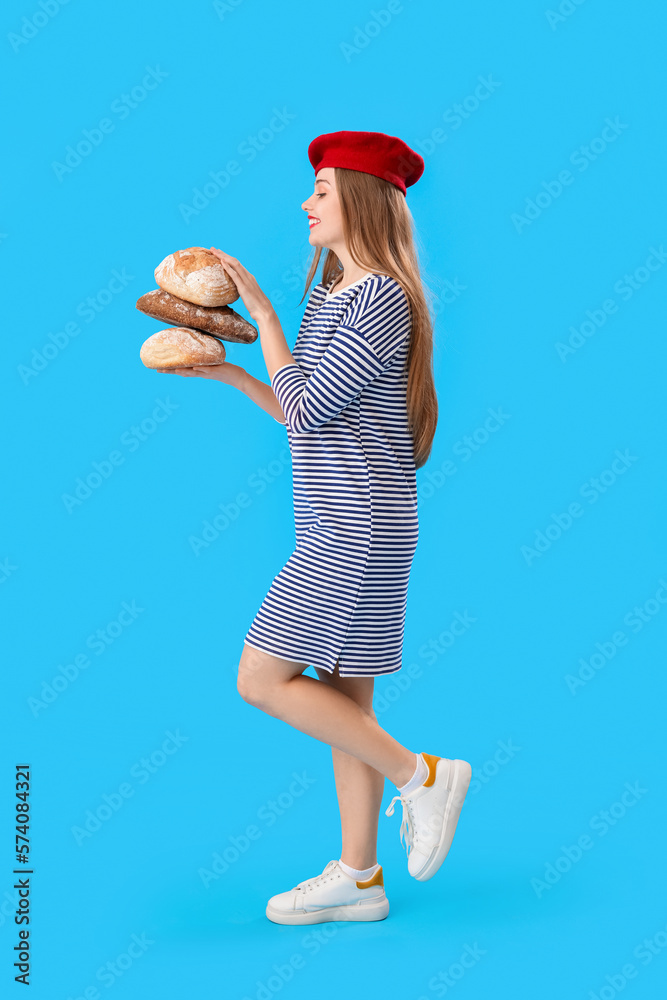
(196,275)
(219,321)
(181,347)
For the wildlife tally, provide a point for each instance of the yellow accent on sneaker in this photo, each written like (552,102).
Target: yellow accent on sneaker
(375,879)
(431,761)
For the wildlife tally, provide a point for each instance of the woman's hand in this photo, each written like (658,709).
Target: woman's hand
(226,372)
(254,299)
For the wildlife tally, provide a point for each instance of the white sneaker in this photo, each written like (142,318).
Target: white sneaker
(333,895)
(431,812)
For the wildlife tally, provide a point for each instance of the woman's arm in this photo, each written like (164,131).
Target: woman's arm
(277,354)
(371,332)
(230,374)
(274,346)
(262,394)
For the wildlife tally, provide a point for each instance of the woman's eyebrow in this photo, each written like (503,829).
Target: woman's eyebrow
(321,180)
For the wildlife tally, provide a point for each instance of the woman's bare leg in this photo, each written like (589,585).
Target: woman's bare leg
(359,787)
(278,687)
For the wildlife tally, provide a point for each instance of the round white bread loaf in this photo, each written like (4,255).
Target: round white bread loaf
(196,275)
(181,347)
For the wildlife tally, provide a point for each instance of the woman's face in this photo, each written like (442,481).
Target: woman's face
(323,209)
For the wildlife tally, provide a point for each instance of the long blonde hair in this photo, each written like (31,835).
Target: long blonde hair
(379,233)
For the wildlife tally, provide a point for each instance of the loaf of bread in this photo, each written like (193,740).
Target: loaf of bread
(181,347)
(196,275)
(220,322)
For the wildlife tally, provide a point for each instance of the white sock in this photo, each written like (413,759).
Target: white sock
(361,874)
(417,779)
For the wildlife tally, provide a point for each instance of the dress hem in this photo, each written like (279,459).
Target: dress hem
(341,672)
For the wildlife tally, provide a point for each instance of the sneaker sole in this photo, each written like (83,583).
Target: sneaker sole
(460,783)
(353,911)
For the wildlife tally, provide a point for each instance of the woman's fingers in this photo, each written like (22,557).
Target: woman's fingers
(224,258)
(232,263)
(252,296)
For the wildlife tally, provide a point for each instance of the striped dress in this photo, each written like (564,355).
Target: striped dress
(342,594)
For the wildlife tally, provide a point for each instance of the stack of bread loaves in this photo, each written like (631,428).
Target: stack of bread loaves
(194,292)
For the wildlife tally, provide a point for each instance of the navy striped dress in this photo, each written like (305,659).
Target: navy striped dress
(342,595)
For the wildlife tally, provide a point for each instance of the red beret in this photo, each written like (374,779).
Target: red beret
(376,153)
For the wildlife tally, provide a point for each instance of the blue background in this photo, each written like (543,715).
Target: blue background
(506,292)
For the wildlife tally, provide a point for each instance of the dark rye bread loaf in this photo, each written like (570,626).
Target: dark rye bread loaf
(219,321)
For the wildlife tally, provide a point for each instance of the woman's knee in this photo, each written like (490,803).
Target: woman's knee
(249,677)
(260,673)
(246,686)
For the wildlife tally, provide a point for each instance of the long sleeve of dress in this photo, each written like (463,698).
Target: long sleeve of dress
(370,333)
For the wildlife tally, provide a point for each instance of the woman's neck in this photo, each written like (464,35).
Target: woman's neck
(351,271)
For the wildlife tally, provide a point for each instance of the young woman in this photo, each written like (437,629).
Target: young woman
(357,398)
